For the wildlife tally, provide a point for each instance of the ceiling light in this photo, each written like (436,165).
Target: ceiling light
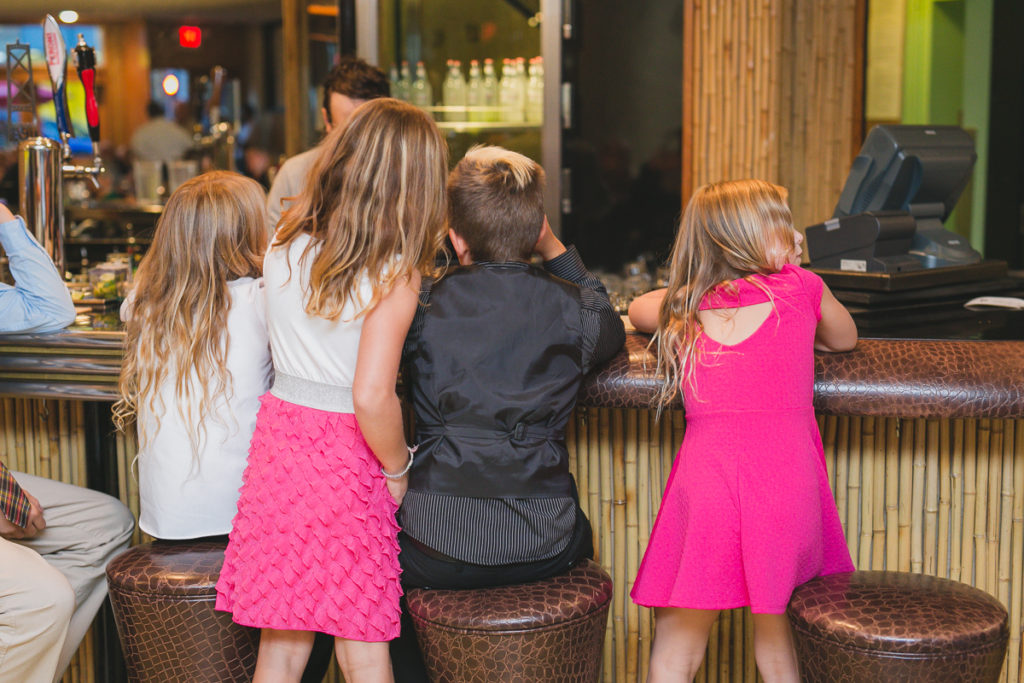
(68,16)
(171,85)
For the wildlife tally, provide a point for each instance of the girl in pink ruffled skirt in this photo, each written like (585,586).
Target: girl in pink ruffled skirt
(313,546)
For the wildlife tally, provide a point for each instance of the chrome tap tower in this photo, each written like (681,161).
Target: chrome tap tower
(44,163)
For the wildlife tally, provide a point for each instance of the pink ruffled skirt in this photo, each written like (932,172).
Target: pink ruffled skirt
(313,546)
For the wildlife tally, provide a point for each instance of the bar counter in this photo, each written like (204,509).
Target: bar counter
(924,442)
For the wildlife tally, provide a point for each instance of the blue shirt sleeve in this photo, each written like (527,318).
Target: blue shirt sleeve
(39,301)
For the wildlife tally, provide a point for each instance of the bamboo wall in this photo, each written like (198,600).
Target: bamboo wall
(47,439)
(944,497)
(773,89)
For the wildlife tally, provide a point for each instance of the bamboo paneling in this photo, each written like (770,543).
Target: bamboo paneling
(47,438)
(772,89)
(944,497)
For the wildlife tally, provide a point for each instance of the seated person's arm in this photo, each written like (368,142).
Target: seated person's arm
(643,311)
(39,301)
(603,332)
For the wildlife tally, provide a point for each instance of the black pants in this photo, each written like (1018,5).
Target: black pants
(424,569)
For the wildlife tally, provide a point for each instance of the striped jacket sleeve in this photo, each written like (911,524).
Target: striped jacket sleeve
(14,503)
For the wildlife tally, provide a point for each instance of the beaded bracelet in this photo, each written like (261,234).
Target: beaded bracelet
(405,470)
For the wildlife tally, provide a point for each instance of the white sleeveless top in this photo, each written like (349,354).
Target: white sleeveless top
(314,358)
(182,497)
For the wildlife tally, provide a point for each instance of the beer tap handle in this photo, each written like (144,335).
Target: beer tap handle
(217,75)
(85,62)
(57,66)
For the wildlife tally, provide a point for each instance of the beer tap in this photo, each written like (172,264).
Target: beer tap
(85,63)
(57,67)
(220,139)
(43,164)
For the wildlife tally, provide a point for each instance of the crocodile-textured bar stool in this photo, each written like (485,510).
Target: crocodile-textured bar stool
(550,630)
(870,626)
(163,595)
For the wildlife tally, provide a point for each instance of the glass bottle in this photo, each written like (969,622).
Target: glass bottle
(421,93)
(453,92)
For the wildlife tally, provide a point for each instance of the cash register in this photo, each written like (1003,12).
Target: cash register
(886,255)
(902,186)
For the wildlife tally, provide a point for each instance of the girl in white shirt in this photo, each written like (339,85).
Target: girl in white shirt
(196,356)
(314,545)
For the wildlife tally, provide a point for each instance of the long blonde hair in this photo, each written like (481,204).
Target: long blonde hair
(212,231)
(374,205)
(729,230)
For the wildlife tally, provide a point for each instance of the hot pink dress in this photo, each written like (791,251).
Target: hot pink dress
(748,513)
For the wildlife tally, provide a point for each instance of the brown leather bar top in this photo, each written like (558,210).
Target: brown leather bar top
(881,377)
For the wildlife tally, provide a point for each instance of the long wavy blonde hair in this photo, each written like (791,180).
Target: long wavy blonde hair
(374,205)
(729,230)
(212,231)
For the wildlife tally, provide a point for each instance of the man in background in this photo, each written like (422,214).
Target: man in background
(160,139)
(348,85)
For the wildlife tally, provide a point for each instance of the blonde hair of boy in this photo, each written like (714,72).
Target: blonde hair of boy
(373,204)
(212,231)
(729,230)
(496,203)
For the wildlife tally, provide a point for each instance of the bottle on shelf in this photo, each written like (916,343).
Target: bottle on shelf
(510,93)
(393,81)
(421,94)
(535,91)
(489,88)
(521,84)
(453,92)
(401,88)
(475,93)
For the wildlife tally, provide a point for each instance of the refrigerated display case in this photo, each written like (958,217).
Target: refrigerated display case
(392,32)
(609,133)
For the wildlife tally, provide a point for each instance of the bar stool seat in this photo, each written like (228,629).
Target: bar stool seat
(163,595)
(550,630)
(869,626)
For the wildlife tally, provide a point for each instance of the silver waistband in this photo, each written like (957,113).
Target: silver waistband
(304,392)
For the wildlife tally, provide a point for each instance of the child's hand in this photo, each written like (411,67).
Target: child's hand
(5,213)
(397,488)
(548,246)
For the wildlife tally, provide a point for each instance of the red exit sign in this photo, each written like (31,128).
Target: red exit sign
(190,36)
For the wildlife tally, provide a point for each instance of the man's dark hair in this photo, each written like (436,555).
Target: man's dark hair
(154,109)
(354,78)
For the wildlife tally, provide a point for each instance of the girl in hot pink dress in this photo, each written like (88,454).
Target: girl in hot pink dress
(314,544)
(747,513)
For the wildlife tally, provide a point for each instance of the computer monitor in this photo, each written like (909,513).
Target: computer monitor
(919,171)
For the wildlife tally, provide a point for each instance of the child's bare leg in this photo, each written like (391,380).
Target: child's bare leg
(363,662)
(774,650)
(282,655)
(680,638)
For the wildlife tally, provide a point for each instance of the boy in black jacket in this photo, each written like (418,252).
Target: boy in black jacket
(493,362)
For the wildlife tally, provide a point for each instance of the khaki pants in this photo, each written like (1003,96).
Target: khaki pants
(51,586)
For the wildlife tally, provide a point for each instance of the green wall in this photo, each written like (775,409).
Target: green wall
(946,80)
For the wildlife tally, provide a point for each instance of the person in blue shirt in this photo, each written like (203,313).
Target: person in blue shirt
(39,301)
(56,541)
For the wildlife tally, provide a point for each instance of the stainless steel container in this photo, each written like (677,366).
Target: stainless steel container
(41,194)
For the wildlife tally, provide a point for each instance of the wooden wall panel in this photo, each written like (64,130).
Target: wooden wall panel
(47,438)
(124,81)
(773,89)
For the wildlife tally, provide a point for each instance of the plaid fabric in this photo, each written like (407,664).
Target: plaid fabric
(14,503)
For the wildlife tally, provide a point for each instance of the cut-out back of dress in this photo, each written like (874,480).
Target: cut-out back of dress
(742,323)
